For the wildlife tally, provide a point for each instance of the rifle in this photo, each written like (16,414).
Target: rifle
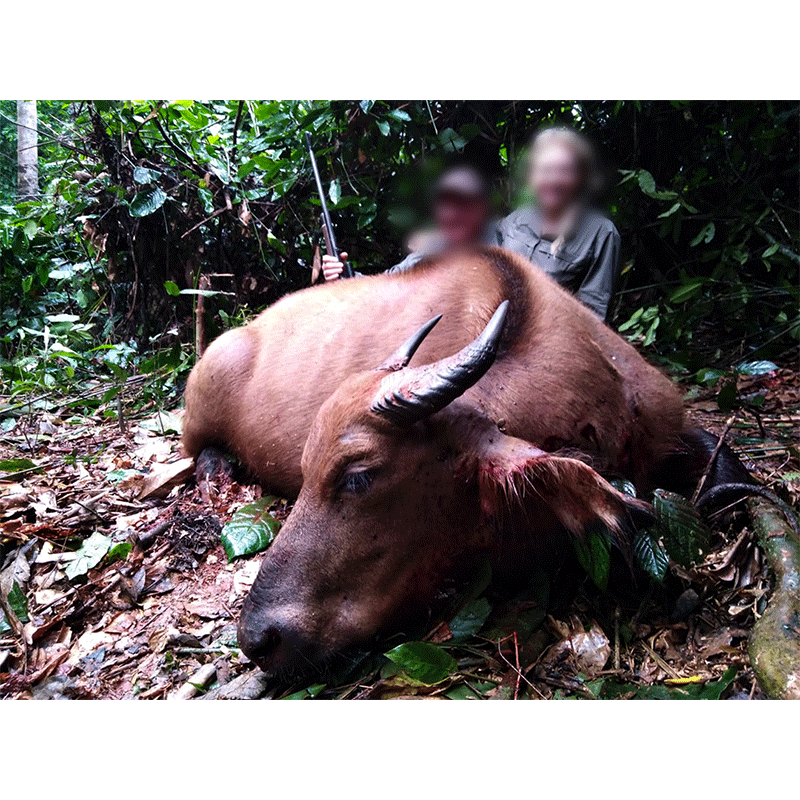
(327,226)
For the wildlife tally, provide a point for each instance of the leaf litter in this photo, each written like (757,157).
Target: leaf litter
(125,580)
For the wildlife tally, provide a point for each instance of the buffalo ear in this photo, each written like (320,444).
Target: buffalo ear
(513,474)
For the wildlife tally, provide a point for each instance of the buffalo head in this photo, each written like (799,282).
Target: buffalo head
(404,485)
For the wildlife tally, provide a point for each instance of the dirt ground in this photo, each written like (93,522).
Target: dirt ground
(126,592)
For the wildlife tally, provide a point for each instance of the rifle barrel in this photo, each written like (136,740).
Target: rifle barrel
(330,237)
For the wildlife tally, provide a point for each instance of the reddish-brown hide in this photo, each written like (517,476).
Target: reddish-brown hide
(387,511)
(561,379)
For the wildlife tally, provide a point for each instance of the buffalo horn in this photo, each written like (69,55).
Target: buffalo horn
(413,394)
(405,352)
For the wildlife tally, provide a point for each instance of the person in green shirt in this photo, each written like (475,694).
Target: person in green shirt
(561,232)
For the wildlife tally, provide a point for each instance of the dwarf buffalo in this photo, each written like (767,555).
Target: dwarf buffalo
(406,476)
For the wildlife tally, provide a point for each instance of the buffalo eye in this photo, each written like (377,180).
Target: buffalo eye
(358,482)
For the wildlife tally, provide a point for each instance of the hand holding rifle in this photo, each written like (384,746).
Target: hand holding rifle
(333,264)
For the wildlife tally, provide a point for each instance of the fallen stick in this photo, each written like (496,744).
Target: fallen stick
(775,640)
(712,460)
(196,683)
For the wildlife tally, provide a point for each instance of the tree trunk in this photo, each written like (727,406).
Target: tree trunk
(27,150)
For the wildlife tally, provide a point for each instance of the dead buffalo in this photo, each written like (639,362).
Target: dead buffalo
(405,476)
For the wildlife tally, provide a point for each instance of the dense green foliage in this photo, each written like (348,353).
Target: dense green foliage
(139,199)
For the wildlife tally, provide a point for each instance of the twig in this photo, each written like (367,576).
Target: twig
(16,628)
(203,222)
(711,460)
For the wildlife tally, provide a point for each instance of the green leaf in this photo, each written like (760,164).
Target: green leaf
(251,529)
(594,555)
(687,290)
(335,192)
(669,212)
(383,126)
(691,691)
(88,555)
(685,535)
(705,235)
(470,619)
(451,141)
(147,202)
(18,602)
(770,251)
(119,552)
(652,558)
(648,185)
(709,375)
(756,368)
(30,228)
(142,175)
(635,317)
(624,486)
(399,115)
(647,182)
(423,662)
(172,288)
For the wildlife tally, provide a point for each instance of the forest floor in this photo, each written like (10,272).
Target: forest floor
(114,566)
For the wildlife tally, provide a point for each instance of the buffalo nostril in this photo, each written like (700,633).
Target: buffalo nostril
(262,651)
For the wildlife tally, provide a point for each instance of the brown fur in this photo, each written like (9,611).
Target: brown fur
(473,480)
(561,379)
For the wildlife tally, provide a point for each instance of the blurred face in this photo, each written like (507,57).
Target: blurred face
(460,220)
(555,179)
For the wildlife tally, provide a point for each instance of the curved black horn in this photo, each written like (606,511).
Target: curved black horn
(405,352)
(411,395)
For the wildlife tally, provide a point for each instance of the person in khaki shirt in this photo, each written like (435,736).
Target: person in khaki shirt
(560,232)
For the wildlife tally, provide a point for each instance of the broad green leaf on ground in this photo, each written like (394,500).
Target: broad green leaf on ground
(305,694)
(118,475)
(18,602)
(470,619)
(756,368)
(88,555)
(251,529)
(147,202)
(119,552)
(172,288)
(686,537)
(594,556)
(474,691)
(423,662)
(652,558)
(142,175)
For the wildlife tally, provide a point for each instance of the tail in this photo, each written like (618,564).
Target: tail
(683,469)
(726,479)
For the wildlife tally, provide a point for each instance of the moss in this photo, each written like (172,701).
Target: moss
(775,640)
